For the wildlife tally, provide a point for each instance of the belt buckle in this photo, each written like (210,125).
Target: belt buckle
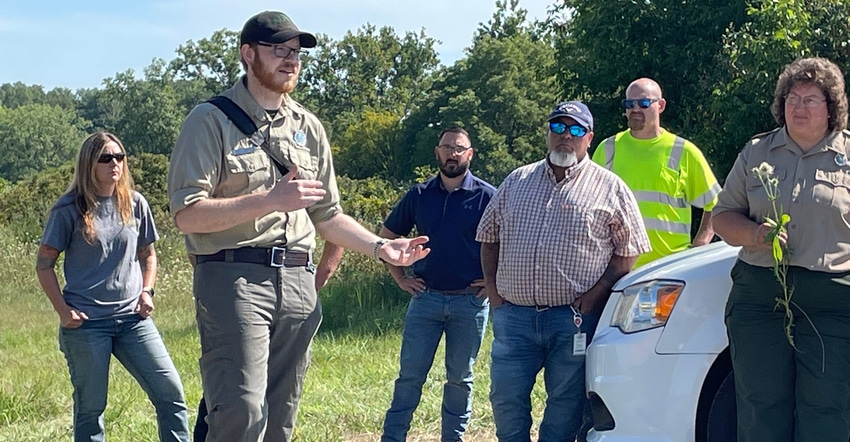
(275,252)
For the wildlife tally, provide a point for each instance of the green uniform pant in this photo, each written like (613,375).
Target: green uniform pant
(783,394)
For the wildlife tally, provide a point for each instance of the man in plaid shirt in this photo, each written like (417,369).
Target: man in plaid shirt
(555,238)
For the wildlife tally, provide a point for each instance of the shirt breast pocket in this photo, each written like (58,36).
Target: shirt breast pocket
(832,189)
(246,171)
(307,162)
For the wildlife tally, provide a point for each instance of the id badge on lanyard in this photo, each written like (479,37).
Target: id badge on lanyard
(579,339)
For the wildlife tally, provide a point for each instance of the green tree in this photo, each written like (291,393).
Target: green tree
(501,92)
(606,45)
(214,62)
(13,95)
(370,68)
(754,54)
(145,114)
(373,146)
(36,137)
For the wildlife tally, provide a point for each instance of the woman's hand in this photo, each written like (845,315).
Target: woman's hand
(760,234)
(71,318)
(145,306)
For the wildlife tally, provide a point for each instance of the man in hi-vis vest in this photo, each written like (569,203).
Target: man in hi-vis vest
(667,173)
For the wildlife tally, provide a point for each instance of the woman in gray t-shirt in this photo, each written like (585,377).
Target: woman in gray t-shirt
(106,231)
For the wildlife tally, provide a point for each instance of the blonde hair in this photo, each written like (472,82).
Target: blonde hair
(83,186)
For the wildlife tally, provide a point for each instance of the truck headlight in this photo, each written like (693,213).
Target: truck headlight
(646,305)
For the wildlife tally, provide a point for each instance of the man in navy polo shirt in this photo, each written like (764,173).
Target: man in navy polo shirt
(445,287)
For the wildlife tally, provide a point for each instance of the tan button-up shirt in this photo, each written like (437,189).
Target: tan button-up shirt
(814,189)
(213,159)
(556,238)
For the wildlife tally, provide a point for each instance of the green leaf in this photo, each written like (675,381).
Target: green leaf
(777,250)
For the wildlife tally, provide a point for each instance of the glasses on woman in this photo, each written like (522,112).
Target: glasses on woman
(106,158)
(810,101)
(575,129)
(642,103)
(281,51)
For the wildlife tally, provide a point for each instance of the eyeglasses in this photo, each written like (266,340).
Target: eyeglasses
(456,149)
(107,158)
(575,129)
(281,51)
(793,100)
(643,103)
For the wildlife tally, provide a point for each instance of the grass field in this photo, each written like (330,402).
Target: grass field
(348,386)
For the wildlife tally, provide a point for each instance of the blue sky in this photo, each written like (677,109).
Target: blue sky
(76,44)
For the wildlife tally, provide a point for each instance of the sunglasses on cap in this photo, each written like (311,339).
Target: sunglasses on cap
(108,157)
(643,103)
(575,129)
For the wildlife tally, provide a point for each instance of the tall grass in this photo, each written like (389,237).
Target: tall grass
(347,390)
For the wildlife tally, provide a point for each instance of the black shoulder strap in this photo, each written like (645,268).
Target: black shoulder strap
(244,123)
(235,113)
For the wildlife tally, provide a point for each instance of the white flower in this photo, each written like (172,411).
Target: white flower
(764,170)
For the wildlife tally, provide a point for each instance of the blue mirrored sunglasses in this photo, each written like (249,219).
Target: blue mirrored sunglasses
(575,129)
(643,103)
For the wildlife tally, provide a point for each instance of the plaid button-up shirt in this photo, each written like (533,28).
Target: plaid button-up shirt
(556,239)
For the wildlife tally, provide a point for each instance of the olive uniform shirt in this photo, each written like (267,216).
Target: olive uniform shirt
(814,189)
(214,159)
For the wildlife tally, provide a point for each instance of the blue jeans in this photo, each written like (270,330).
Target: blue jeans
(136,343)
(463,318)
(525,341)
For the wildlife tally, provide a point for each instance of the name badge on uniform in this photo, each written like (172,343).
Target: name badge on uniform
(300,138)
(579,339)
(244,150)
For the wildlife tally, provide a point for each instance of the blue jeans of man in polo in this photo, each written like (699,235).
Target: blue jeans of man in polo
(463,319)
(136,343)
(527,340)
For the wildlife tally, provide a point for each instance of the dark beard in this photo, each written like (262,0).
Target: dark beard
(267,80)
(454,173)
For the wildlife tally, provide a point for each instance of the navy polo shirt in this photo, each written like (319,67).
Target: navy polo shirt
(450,220)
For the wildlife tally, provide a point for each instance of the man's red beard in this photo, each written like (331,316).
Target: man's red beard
(266,77)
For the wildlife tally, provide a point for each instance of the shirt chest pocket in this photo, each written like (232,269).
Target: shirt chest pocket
(832,189)
(245,172)
(304,158)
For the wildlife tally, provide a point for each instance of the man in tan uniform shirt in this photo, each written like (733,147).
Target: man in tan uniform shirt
(251,227)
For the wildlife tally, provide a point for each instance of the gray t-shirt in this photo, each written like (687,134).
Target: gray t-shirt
(103,279)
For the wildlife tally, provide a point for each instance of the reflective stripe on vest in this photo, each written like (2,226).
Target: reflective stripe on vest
(706,197)
(667,226)
(660,197)
(608,150)
(676,153)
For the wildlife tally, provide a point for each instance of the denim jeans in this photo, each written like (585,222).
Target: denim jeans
(136,343)
(525,341)
(463,318)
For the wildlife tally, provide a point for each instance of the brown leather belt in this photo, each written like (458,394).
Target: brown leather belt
(269,256)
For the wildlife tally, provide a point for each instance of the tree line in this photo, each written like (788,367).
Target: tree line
(384,97)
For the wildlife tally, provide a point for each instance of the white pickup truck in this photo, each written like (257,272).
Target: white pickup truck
(658,368)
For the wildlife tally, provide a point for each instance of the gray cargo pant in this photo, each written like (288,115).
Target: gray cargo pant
(256,324)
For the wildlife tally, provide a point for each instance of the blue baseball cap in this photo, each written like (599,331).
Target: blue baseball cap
(575,110)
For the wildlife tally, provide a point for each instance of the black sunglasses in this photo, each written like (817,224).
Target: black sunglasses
(575,129)
(643,103)
(106,158)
